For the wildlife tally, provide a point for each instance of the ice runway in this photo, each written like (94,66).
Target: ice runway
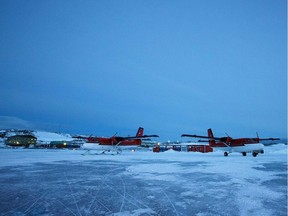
(63,182)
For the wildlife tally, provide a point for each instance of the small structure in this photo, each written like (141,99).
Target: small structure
(200,148)
(64,144)
(21,140)
(185,148)
(2,134)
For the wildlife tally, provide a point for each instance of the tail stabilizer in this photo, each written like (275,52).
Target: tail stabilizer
(210,135)
(140,132)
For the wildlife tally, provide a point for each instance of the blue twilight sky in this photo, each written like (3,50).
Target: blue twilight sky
(105,66)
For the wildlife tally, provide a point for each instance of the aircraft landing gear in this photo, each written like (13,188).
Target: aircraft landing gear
(254,154)
(244,153)
(225,154)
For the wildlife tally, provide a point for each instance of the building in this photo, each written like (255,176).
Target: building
(200,148)
(64,144)
(21,140)
(184,148)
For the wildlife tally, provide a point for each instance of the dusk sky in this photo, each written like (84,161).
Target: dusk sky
(105,66)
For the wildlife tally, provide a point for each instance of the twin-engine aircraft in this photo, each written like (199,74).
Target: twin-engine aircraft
(116,143)
(121,141)
(229,145)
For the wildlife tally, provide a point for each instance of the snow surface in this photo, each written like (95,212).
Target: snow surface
(67,182)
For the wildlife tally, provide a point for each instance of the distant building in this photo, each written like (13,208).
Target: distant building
(2,134)
(190,148)
(21,140)
(200,148)
(64,144)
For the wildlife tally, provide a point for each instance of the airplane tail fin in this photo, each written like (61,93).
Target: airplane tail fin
(210,135)
(140,132)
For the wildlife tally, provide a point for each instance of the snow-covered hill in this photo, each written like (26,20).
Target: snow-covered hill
(50,136)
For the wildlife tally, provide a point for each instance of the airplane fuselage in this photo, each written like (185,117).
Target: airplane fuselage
(114,141)
(119,141)
(228,144)
(247,147)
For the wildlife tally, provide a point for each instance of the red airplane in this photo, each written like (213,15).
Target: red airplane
(121,141)
(228,144)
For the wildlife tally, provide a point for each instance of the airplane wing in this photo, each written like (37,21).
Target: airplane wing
(203,141)
(203,137)
(140,137)
(270,139)
(80,137)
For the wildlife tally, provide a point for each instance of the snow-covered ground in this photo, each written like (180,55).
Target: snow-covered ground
(66,182)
